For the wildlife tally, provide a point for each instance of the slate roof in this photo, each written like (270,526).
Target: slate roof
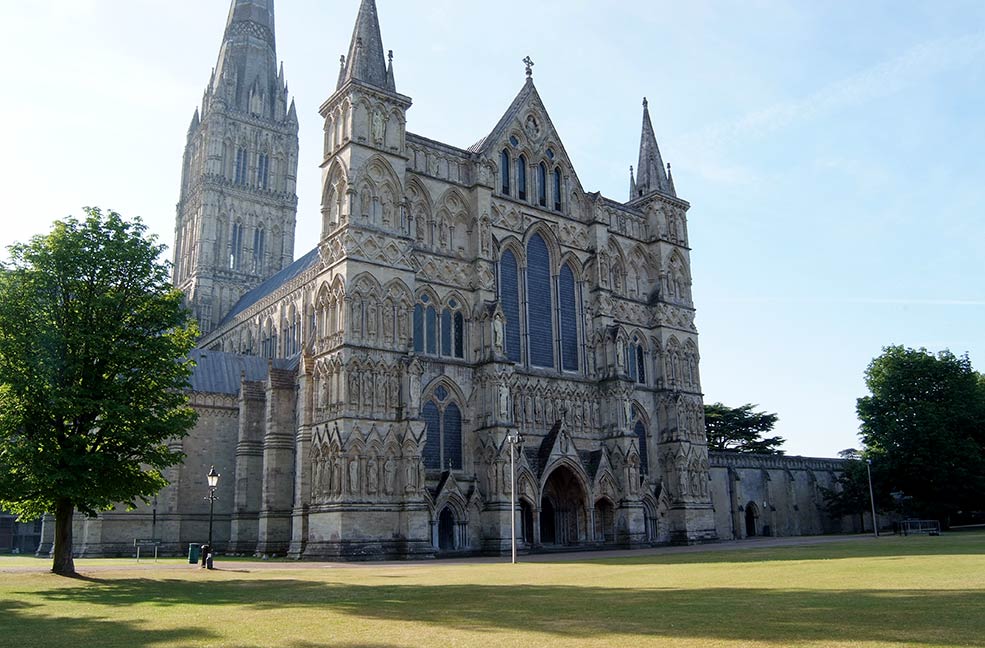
(217,372)
(272,284)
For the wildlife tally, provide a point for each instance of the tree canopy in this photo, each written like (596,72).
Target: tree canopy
(741,429)
(93,359)
(923,426)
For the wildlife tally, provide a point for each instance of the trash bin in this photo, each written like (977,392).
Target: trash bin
(194,553)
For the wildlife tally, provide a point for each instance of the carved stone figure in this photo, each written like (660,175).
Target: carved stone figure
(389,475)
(379,127)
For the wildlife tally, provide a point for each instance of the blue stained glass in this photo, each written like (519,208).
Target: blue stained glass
(432,441)
(569,320)
(441,393)
(418,328)
(446,332)
(459,336)
(557,189)
(542,185)
(431,327)
(453,436)
(540,322)
(641,436)
(509,297)
(631,360)
(641,366)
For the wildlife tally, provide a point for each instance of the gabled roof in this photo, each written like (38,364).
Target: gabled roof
(217,372)
(272,284)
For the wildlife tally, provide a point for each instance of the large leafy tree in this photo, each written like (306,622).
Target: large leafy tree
(851,495)
(93,347)
(741,429)
(923,426)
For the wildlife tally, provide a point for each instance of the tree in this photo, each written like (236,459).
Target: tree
(923,426)
(851,496)
(741,429)
(93,359)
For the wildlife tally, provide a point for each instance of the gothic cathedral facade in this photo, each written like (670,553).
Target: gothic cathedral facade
(475,341)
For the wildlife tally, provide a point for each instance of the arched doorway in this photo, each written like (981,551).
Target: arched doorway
(605,530)
(562,509)
(446,530)
(526,522)
(752,519)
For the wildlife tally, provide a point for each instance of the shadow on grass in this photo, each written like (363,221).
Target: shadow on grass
(23,625)
(780,615)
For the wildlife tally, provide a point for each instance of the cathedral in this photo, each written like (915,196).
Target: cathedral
(476,341)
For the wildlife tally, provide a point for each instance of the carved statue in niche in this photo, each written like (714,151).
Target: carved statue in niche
(354,476)
(367,388)
(337,475)
(410,475)
(504,401)
(443,234)
(365,204)
(389,475)
(328,477)
(316,464)
(379,127)
(353,387)
(371,322)
(499,335)
(387,214)
(485,236)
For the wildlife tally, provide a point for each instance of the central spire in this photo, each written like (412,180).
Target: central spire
(246,74)
(650,170)
(365,61)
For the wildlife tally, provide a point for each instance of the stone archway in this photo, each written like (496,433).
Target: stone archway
(446,530)
(526,522)
(752,519)
(563,519)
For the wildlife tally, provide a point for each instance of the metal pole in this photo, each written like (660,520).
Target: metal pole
(512,500)
(211,509)
(872,499)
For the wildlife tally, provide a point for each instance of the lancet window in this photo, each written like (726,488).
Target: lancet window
(442,335)
(504,172)
(640,430)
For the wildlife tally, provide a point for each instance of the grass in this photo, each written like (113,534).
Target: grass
(915,591)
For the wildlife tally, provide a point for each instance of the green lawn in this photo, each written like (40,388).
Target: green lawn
(915,591)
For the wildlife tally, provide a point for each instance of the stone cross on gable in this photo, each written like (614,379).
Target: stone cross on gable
(530,65)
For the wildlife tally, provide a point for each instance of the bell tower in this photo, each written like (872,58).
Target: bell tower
(238,203)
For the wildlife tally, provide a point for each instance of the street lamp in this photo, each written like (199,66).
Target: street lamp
(513,440)
(213,478)
(872,499)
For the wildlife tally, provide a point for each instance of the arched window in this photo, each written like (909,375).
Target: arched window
(259,241)
(639,429)
(521,178)
(419,328)
(568,309)
(557,189)
(509,297)
(443,431)
(240,173)
(635,361)
(459,337)
(436,334)
(542,185)
(540,323)
(263,170)
(431,329)
(504,172)
(235,246)
(446,332)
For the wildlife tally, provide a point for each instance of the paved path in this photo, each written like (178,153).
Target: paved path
(88,567)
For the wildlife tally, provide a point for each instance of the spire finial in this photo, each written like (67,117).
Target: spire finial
(389,57)
(645,102)
(342,60)
(530,66)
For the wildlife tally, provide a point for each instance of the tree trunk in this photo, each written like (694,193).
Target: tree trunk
(63,563)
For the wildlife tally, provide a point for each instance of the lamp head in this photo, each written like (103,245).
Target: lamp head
(213,477)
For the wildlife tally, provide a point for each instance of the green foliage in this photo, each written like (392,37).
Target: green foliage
(93,341)
(741,429)
(851,496)
(923,426)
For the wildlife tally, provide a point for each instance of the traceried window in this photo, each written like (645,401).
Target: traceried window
(504,172)
(540,320)
(439,335)
(259,243)
(509,296)
(521,178)
(542,185)
(443,431)
(568,314)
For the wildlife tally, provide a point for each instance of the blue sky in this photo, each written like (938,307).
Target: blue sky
(832,152)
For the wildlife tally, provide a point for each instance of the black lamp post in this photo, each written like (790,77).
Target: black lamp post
(213,478)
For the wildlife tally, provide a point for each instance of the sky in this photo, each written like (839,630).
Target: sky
(831,151)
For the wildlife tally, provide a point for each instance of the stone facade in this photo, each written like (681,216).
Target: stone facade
(359,400)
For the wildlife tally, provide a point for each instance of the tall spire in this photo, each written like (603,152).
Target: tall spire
(650,174)
(365,61)
(247,71)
